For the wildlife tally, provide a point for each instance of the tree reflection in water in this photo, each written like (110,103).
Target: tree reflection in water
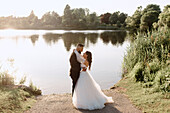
(113,37)
(72,39)
(51,38)
(34,38)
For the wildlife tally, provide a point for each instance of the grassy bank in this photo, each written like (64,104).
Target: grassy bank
(148,60)
(146,70)
(15,97)
(142,98)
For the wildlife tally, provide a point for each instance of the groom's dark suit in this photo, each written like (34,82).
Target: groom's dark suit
(75,70)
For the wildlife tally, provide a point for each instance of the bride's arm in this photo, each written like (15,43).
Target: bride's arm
(80,58)
(86,63)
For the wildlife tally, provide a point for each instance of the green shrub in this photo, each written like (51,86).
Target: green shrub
(147,59)
(162,79)
(23,80)
(6,79)
(137,72)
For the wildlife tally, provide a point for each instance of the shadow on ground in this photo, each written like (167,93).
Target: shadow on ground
(108,109)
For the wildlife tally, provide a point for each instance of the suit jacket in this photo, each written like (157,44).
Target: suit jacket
(75,66)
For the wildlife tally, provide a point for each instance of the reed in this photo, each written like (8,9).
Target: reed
(147,59)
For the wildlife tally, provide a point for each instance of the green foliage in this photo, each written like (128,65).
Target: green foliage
(33,89)
(164,17)
(23,80)
(146,19)
(134,21)
(76,18)
(51,19)
(143,98)
(92,20)
(162,80)
(147,59)
(67,17)
(137,72)
(14,100)
(149,16)
(114,18)
(6,79)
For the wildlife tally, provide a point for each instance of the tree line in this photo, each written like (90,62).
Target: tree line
(76,18)
(149,18)
(81,18)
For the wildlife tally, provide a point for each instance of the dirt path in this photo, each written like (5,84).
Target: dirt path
(62,103)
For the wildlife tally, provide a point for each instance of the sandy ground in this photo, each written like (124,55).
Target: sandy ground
(62,103)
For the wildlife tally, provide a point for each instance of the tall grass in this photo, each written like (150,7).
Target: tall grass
(147,59)
(7,78)
(14,96)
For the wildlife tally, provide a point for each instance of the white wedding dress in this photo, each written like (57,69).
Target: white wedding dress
(88,94)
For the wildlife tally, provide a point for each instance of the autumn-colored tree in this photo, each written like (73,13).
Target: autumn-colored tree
(105,18)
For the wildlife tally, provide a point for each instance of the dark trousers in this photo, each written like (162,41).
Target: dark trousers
(74,77)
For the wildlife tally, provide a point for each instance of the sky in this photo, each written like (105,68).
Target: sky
(20,8)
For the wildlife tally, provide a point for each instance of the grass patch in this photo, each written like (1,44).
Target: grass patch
(143,98)
(15,99)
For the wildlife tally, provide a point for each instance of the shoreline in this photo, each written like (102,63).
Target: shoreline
(63,103)
(105,28)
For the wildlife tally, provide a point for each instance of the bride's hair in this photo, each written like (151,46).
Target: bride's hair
(89,58)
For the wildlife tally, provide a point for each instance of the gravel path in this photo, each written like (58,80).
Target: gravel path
(62,103)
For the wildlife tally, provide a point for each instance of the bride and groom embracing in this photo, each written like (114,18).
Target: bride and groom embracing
(86,93)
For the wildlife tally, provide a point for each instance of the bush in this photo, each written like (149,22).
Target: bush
(162,79)
(137,72)
(147,59)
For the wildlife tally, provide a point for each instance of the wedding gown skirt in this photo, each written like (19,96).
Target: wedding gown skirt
(88,94)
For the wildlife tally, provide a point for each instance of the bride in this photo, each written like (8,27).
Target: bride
(87,93)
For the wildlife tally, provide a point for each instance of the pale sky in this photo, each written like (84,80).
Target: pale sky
(23,7)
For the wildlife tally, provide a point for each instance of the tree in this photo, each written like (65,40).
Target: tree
(149,16)
(134,21)
(118,23)
(79,17)
(51,19)
(92,19)
(105,18)
(67,17)
(122,17)
(114,18)
(164,17)
(33,19)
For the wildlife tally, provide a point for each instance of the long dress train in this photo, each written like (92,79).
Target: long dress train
(88,94)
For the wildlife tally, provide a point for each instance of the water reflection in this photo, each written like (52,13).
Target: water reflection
(113,37)
(51,38)
(34,38)
(72,39)
(44,55)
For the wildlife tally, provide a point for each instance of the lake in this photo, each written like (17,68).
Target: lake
(43,55)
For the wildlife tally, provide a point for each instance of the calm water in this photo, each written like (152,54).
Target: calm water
(44,55)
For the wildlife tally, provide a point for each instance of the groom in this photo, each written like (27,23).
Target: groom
(75,62)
